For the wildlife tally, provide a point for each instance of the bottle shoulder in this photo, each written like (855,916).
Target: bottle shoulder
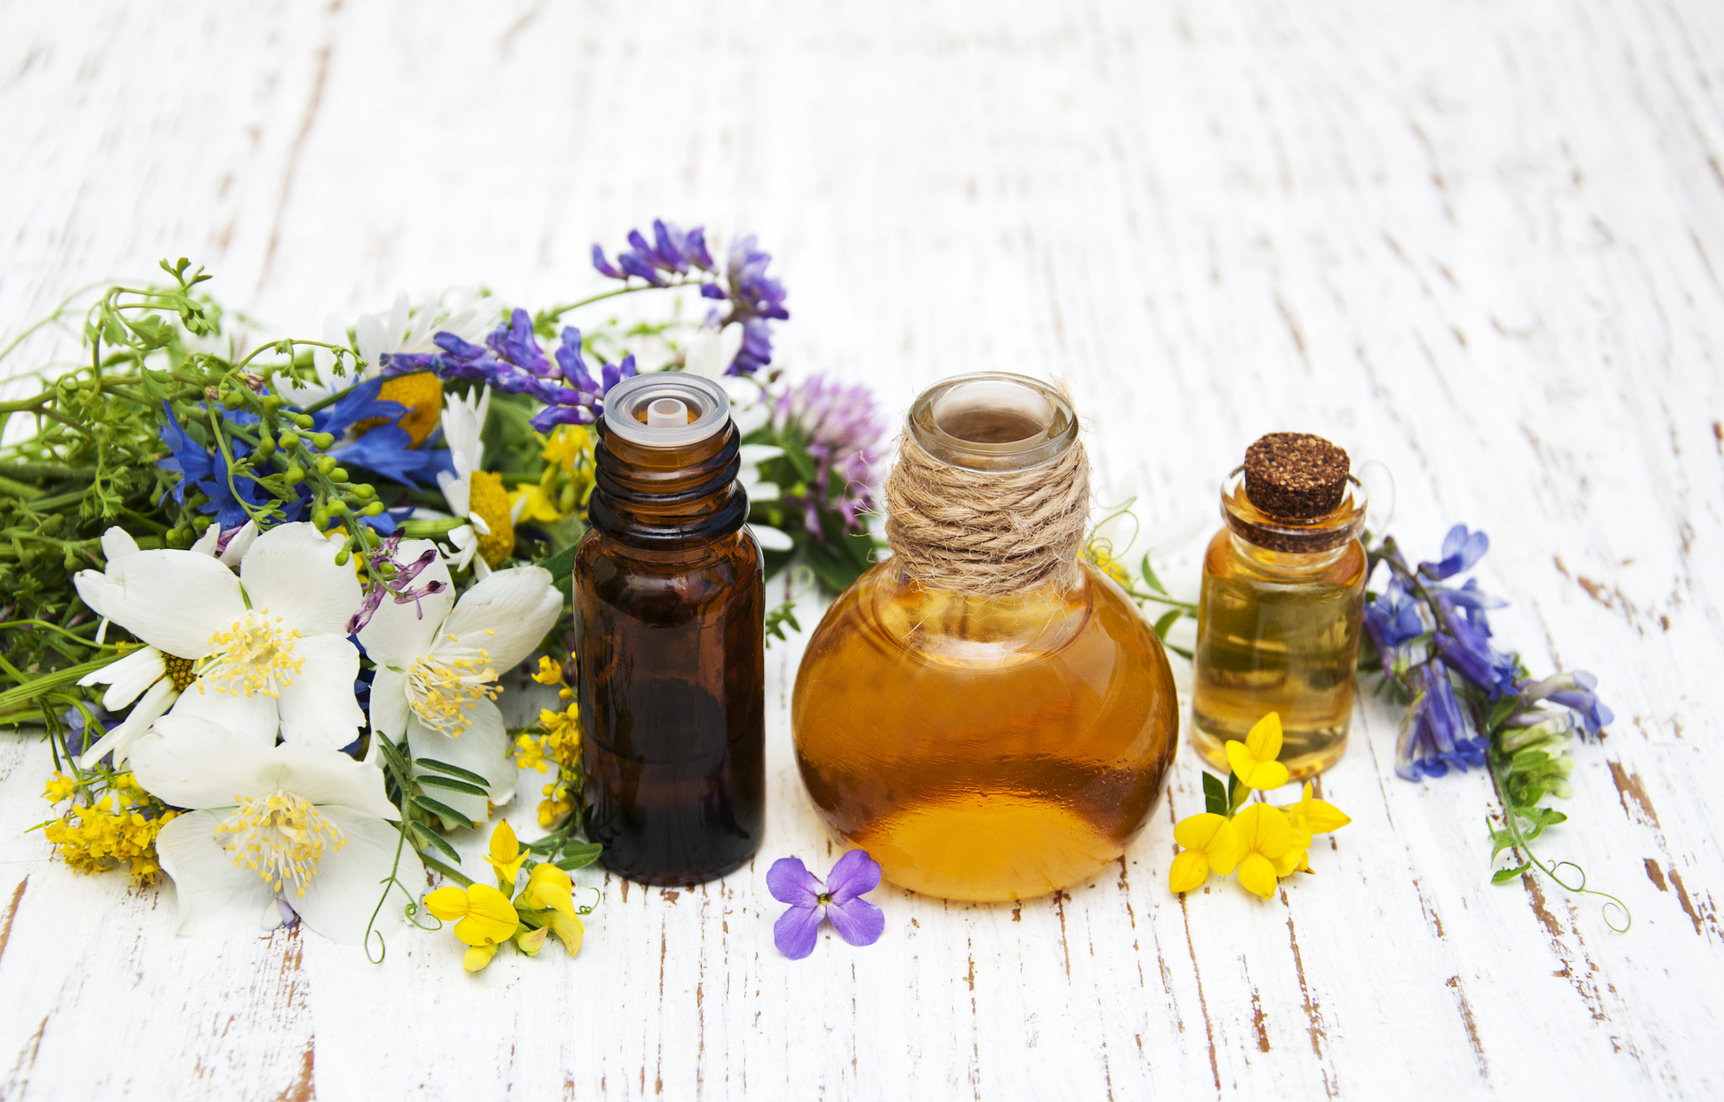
(1230,558)
(948,629)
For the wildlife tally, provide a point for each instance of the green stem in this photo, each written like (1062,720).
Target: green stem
(1511,822)
(49,681)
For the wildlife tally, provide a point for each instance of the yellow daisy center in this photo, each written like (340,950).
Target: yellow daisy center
(422,394)
(181,672)
(281,837)
(490,503)
(442,687)
(254,655)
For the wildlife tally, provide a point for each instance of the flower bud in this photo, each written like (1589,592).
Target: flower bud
(323,440)
(289,441)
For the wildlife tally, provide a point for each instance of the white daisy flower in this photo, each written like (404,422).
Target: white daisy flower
(304,825)
(405,327)
(438,664)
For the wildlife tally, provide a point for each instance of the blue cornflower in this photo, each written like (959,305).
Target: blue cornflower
(1461,549)
(357,405)
(190,460)
(384,448)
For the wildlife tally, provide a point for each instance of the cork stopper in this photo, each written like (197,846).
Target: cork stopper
(1295,477)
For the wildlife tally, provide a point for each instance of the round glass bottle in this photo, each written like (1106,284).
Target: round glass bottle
(669,606)
(1279,613)
(986,746)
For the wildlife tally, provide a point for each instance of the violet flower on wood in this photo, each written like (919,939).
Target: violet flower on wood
(839,902)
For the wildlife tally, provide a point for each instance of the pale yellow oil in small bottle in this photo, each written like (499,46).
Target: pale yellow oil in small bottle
(1278,631)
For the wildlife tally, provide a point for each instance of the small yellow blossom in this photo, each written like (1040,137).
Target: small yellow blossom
(483,916)
(1253,761)
(534,503)
(550,671)
(557,742)
(506,855)
(1100,552)
(531,941)
(1311,816)
(118,825)
(1210,842)
(477,957)
(1268,848)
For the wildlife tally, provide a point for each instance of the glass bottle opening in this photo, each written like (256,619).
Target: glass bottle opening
(667,409)
(1265,530)
(993,421)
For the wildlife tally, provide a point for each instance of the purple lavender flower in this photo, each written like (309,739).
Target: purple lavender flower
(839,902)
(1435,734)
(398,585)
(1470,653)
(673,258)
(1573,690)
(512,361)
(1461,549)
(843,427)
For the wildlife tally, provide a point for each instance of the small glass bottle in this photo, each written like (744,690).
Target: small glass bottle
(986,747)
(669,607)
(1283,595)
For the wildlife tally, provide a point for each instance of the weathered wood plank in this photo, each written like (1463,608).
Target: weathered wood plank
(1482,245)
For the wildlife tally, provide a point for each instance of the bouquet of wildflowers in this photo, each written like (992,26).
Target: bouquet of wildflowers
(265,598)
(1473,705)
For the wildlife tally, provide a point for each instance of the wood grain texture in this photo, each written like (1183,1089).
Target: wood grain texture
(1479,243)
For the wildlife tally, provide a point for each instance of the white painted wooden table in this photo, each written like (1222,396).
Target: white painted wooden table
(1481,243)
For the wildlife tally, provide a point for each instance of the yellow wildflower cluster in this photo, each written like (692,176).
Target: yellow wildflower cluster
(486,917)
(568,478)
(111,820)
(556,742)
(1262,841)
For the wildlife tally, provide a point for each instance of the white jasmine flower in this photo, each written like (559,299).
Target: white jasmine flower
(145,672)
(255,653)
(438,663)
(301,824)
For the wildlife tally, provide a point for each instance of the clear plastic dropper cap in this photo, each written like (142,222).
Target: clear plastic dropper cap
(667,409)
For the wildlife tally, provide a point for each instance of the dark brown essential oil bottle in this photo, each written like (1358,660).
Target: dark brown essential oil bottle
(669,607)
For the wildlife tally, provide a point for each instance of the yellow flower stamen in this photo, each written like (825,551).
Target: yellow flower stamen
(254,655)
(181,672)
(441,688)
(281,837)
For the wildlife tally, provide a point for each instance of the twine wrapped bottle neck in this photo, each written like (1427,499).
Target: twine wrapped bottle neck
(990,493)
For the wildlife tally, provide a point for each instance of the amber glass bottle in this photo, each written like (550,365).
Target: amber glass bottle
(1283,595)
(669,606)
(986,747)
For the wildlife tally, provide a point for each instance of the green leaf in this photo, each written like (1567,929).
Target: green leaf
(452,784)
(1503,876)
(1234,789)
(1168,619)
(561,565)
(579,856)
(397,763)
(453,770)
(152,331)
(800,459)
(1501,839)
(1214,794)
(429,837)
(1149,577)
(442,810)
